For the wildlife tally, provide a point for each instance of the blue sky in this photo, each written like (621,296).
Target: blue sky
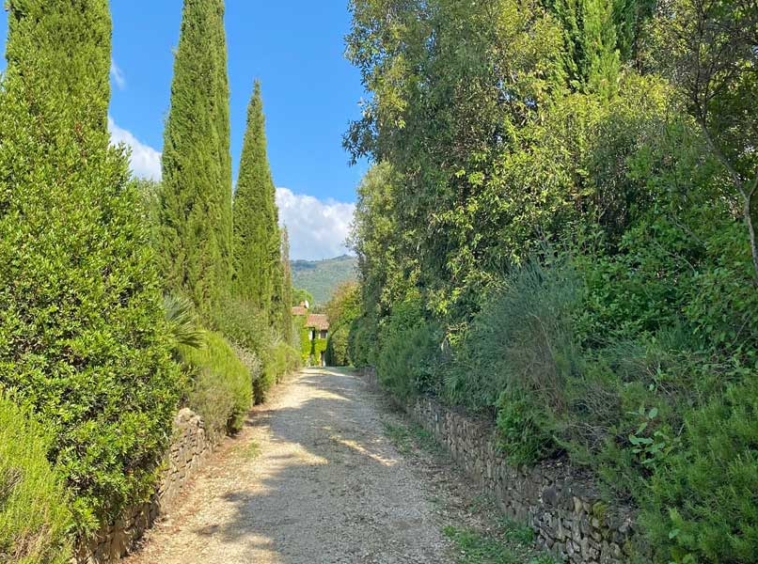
(296,49)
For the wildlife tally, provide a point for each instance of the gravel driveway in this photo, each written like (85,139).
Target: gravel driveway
(312,479)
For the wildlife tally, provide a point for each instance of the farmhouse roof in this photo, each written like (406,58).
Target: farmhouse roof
(299,311)
(318,321)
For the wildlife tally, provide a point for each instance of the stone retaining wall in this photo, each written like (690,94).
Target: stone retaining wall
(559,502)
(189,448)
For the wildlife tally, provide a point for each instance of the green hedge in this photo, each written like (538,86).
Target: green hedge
(34,515)
(82,335)
(221,385)
(281,359)
(244,325)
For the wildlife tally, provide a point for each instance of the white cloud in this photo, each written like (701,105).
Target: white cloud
(145,161)
(317,229)
(117,75)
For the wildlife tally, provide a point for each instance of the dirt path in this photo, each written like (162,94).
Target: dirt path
(312,480)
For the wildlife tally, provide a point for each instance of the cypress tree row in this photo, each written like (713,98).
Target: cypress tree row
(284,295)
(196,196)
(222,119)
(257,241)
(82,336)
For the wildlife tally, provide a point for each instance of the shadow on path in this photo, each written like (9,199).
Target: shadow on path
(314,480)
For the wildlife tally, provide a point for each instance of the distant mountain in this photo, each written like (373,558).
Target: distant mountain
(321,277)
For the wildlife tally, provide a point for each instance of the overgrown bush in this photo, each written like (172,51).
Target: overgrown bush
(337,347)
(408,360)
(702,500)
(363,341)
(525,427)
(343,308)
(220,384)
(523,339)
(35,520)
(635,353)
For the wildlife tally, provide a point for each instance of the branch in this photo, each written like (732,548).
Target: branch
(736,178)
(753,188)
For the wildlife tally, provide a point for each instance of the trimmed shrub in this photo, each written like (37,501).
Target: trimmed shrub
(220,384)
(280,360)
(82,334)
(34,516)
(242,323)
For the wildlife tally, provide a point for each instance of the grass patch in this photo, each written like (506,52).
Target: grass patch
(406,438)
(509,543)
(253,450)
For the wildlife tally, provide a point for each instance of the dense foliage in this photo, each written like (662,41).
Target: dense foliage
(257,240)
(196,208)
(82,336)
(558,231)
(34,515)
(220,390)
(245,326)
(342,310)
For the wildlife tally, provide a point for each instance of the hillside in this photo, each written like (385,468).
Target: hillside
(321,277)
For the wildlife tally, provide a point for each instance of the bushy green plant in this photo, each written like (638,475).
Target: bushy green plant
(221,384)
(244,324)
(525,428)
(343,308)
(701,505)
(280,360)
(523,340)
(409,355)
(363,341)
(183,325)
(35,520)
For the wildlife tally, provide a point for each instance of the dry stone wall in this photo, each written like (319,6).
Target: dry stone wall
(561,503)
(189,449)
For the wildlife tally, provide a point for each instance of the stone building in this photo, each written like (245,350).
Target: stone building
(314,334)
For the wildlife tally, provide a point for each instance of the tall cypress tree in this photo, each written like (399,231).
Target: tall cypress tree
(591,61)
(81,323)
(285,297)
(196,196)
(256,234)
(44,44)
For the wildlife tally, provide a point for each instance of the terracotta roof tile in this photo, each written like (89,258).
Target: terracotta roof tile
(318,321)
(299,311)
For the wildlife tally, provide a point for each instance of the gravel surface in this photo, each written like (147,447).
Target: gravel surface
(312,479)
